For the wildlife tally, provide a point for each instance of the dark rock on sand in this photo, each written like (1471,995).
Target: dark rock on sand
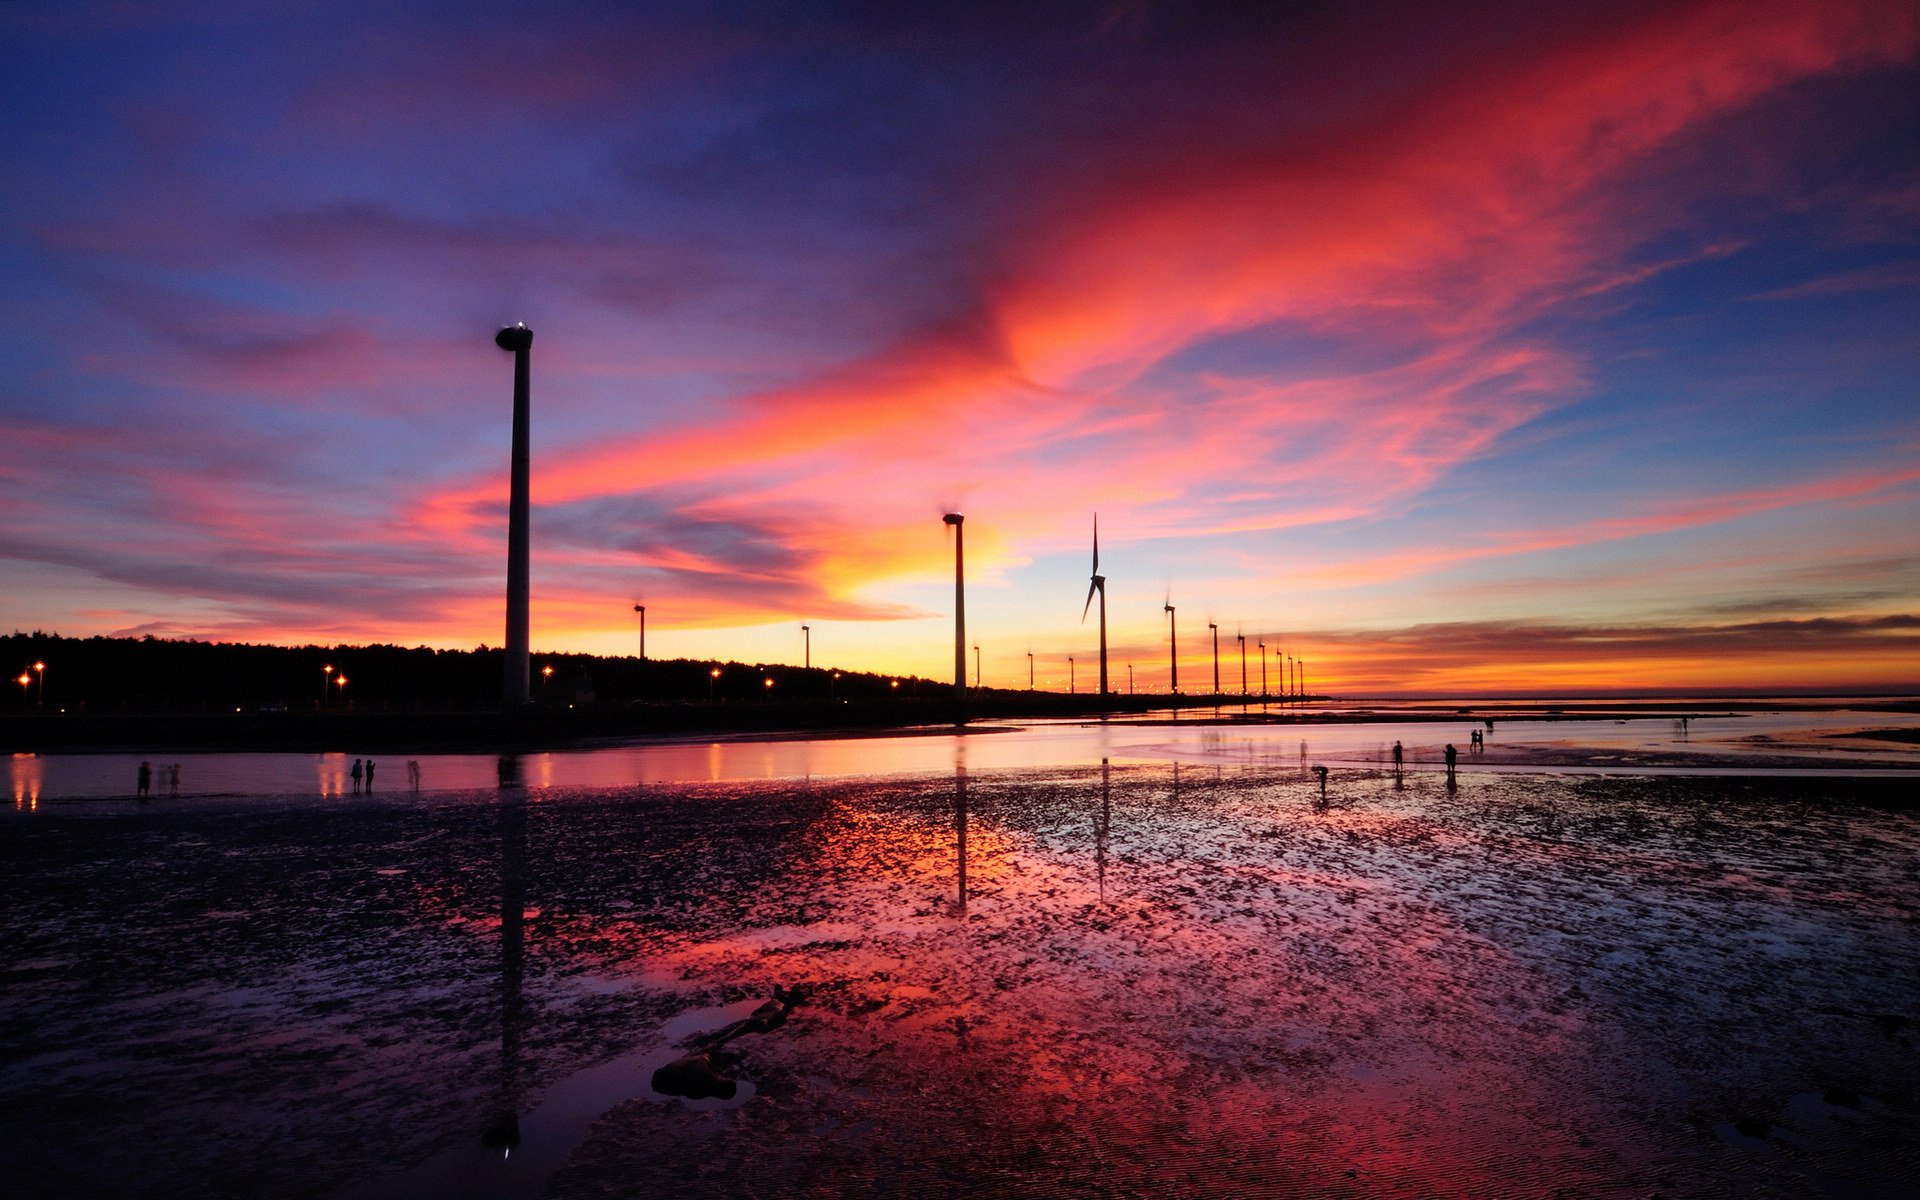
(694,1076)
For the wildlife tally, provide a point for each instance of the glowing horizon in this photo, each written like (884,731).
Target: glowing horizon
(1496,352)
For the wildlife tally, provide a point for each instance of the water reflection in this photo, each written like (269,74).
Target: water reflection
(504,1133)
(28,775)
(1755,742)
(1102,826)
(960,823)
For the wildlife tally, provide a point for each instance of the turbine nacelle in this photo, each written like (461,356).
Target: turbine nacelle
(514,337)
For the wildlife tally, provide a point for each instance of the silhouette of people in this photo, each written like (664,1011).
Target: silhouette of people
(145,790)
(369,775)
(359,773)
(173,780)
(1321,771)
(1452,756)
(509,769)
(1399,757)
(413,773)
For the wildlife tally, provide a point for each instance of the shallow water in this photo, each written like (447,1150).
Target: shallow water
(1161,979)
(1793,740)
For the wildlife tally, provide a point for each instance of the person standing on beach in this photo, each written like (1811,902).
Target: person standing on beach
(1399,756)
(145,778)
(173,780)
(369,775)
(413,773)
(359,772)
(1452,755)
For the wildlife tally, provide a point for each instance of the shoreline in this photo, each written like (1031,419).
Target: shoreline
(537,730)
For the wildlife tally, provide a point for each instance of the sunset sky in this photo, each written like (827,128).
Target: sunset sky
(1450,348)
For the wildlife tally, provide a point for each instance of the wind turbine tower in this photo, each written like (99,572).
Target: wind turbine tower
(1173,651)
(519,340)
(959,610)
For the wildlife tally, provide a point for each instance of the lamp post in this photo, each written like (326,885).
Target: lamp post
(1069,674)
(1300,689)
(1263,670)
(518,340)
(546,678)
(340,681)
(1243,663)
(1286,674)
(1129,679)
(806,631)
(642,610)
(40,671)
(976,664)
(833,687)
(1029,670)
(25,681)
(1215,630)
(713,677)
(326,679)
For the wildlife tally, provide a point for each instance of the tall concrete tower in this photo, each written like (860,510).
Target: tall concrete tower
(519,339)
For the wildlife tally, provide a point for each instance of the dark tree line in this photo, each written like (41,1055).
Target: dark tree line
(150,673)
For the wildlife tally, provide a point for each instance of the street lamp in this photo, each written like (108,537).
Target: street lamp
(1129,679)
(807,632)
(40,669)
(1029,670)
(546,676)
(1243,663)
(976,664)
(713,677)
(326,677)
(1263,669)
(25,681)
(642,610)
(341,681)
(1069,674)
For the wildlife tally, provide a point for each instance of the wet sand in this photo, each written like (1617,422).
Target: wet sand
(1160,981)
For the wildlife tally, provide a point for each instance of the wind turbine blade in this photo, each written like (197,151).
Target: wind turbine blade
(1089,604)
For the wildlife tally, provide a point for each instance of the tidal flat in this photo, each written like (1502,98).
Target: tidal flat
(1147,980)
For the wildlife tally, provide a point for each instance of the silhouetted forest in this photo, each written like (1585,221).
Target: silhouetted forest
(152,674)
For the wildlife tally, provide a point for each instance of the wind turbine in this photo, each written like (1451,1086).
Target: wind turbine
(1173,650)
(1099,584)
(959,615)
(1243,662)
(1215,630)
